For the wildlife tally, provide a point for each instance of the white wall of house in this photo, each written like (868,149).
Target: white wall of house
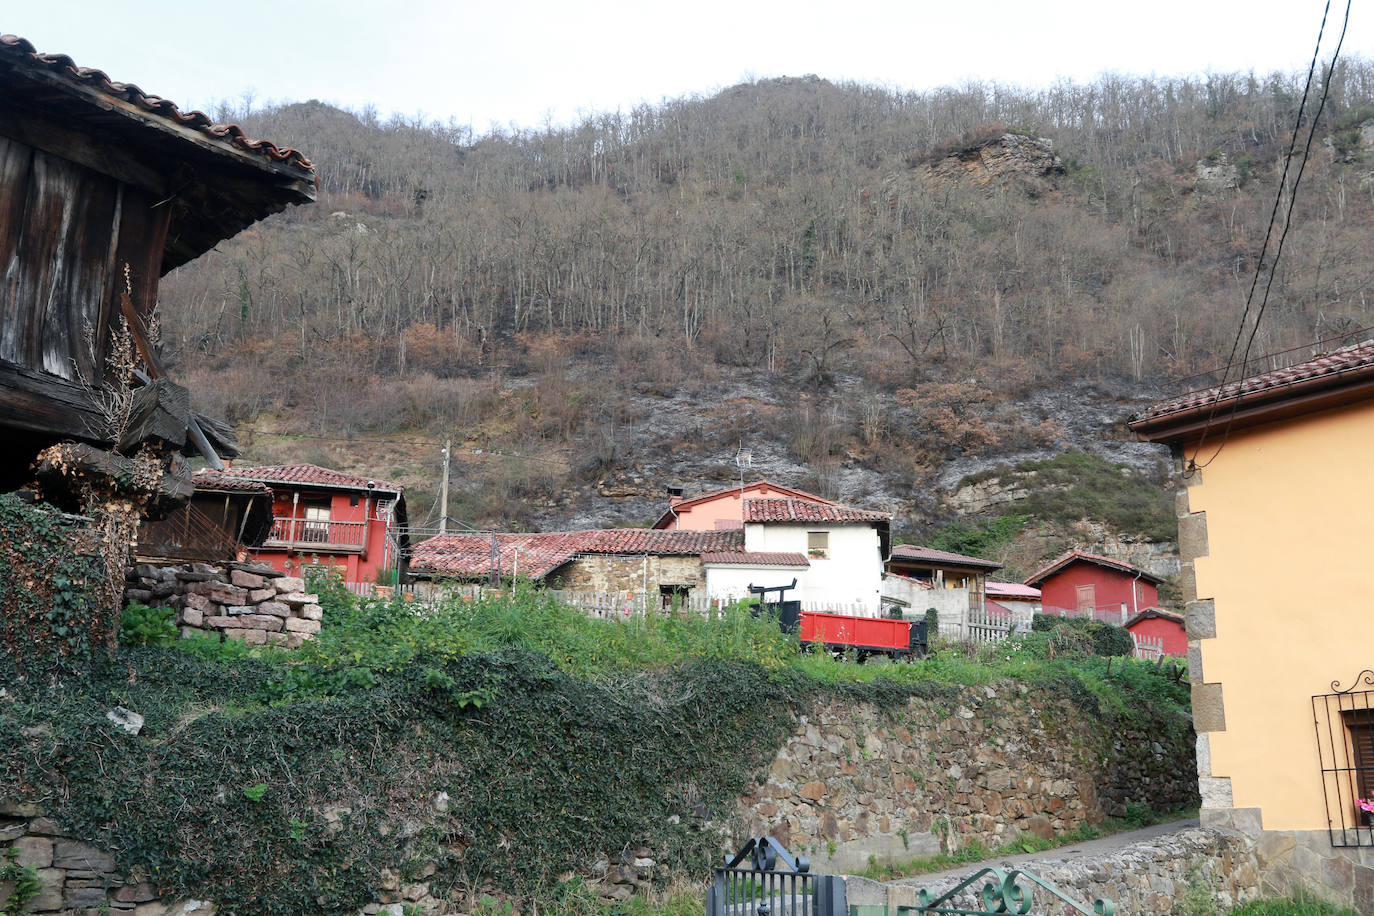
(852,573)
(731,583)
(948,601)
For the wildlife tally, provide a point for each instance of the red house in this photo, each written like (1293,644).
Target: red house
(1166,626)
(724,509)
(1082,584)
(356,524)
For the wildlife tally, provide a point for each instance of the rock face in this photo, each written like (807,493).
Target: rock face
(1216,173)
(989,763)
(1011,157)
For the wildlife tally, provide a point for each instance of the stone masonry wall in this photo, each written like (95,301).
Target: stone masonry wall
(256,604)
(991,763)
(632,574)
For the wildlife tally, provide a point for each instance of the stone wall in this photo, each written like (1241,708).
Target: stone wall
(631,574)
(991,763)
(1176,873)
(256,604)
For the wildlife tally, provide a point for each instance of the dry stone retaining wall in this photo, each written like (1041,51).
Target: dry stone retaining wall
(256,604)
(994,762)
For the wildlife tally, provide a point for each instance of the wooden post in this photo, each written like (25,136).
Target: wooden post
(443,490)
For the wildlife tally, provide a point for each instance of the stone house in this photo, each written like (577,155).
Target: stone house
(1276,518)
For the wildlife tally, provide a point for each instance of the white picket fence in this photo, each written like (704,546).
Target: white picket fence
(977,625)
(1148,647)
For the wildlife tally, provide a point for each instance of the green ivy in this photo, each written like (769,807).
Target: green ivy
(23,880)
(50,615)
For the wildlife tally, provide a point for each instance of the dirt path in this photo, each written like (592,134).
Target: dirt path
(1091,848)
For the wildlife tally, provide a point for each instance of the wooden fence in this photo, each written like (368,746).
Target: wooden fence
(1148,647)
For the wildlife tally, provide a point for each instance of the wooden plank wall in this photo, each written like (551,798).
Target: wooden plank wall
(66,232)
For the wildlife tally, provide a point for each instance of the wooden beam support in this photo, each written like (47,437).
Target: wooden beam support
(161,412)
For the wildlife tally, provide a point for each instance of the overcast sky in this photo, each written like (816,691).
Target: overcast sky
(525,62)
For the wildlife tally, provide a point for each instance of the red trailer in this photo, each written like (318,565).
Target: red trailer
(866,635)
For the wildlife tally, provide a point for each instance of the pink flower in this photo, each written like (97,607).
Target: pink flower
(1366,804)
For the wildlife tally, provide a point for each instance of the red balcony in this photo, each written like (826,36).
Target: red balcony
(318,536)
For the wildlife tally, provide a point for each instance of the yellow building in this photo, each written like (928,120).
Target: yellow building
(1276,534)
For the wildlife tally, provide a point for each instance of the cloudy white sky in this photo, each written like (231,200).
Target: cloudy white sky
(525,62)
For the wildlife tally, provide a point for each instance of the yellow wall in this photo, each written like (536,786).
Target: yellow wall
(1285,501)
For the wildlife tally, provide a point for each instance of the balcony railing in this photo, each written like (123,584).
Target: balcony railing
(310,534)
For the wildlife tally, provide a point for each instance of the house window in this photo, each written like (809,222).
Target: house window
(818,545)
(316,527)
(1345,748)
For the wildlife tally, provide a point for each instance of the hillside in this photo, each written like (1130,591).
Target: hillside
(874,293)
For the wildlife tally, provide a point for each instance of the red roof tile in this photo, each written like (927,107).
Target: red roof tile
(796,510)
(754,558)
(537,555)
(1330,370)
(62,66)
(1079,555)
(936,557)
(667,517)
(310,475)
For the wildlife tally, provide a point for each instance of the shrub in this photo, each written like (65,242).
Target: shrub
(140,625)
(1095,636)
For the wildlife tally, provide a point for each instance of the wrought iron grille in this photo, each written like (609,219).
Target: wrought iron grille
(764,879)
(1344,720)
(1002,892)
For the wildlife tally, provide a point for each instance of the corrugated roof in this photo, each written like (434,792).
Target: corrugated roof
(1012,590)
(537,555)
(1330,370)
(62,66)
(795,510)
(312,475)
(1079,555)
(754,558)
(936,557)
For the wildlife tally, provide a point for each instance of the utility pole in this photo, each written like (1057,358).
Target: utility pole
(443,489)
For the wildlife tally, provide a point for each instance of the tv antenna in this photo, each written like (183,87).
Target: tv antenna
(744,458)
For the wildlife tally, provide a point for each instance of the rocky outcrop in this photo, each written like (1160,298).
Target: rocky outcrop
(1009,158)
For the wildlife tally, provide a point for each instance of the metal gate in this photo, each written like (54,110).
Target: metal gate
(763,879)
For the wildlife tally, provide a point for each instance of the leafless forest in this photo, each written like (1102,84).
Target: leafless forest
(791,233)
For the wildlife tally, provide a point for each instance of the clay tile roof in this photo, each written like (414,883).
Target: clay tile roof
(537,555)
(1159,612)
(1007,590)
(220,481)
(1079,555)
(312,475)
(60,65)
(671,512)
(933,556)
(1322,373)
(796,510)
(754,558)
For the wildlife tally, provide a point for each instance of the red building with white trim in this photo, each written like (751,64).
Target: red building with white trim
(1080,583)
(354,523)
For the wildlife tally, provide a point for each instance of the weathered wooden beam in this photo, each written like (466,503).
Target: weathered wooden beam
(222,437)
(160,414)
(42,131)
(43,403)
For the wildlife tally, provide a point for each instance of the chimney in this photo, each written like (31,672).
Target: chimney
(674,495)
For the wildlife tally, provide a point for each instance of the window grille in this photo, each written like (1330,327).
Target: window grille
(1344,721)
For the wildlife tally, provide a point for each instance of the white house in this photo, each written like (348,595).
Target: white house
(844,548)
(731,573)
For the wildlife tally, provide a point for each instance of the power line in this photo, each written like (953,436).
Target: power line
(390,440)
(1192,464)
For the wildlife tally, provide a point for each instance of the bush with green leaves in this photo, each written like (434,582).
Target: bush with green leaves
(1093,636)
(141,625)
